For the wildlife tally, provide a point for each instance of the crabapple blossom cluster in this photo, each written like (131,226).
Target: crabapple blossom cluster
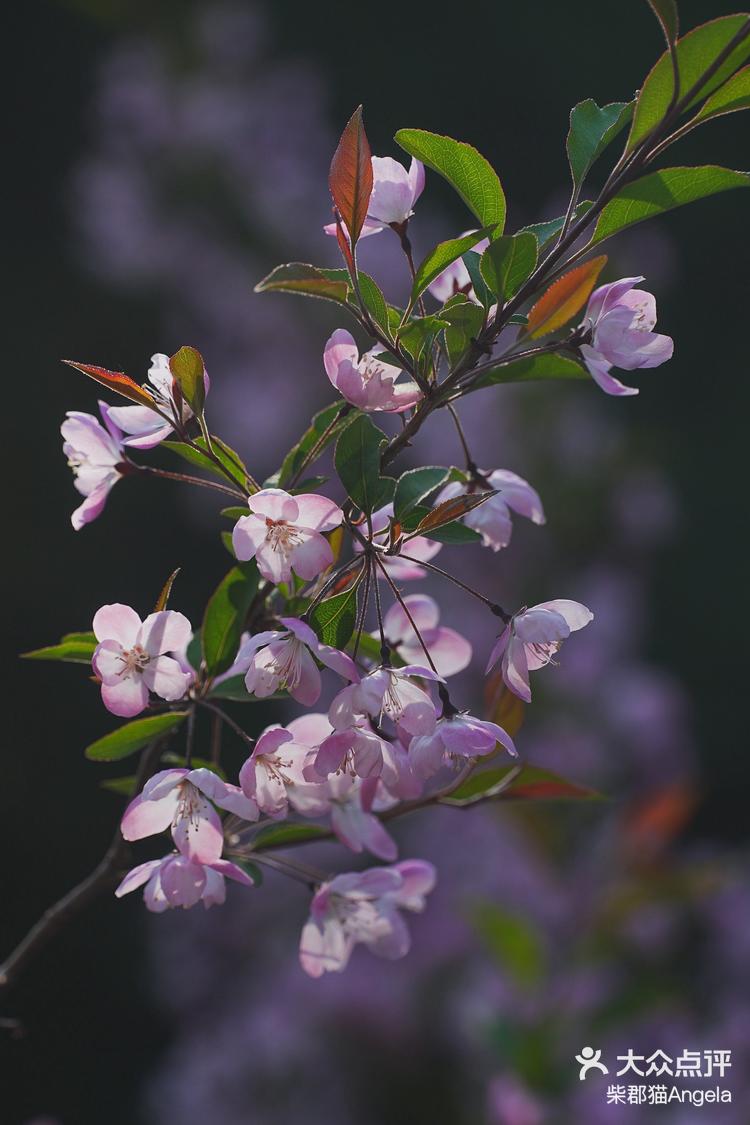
(312,612)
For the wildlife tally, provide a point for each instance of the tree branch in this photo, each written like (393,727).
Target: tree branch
(105,874)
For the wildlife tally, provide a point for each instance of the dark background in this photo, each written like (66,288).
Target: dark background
(499,75)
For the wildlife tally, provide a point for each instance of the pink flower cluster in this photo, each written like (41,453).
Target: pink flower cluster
(391,733)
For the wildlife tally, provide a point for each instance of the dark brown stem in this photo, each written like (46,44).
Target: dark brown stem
(185,478)
(496,609)
(471,464)
(106,873)
(222,715)
(399,598)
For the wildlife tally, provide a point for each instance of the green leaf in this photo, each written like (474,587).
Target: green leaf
(74,648)
(668,16)
(532,369)
(283,835)
(591,130)
(225,615)
(417,335)
(661,191)
(234,689)
(124,741)
(194,652)
(507,262)
(229,458)
(482,293)
(369,648)
(695,52)
(307,280)
(188,371)
(201,460)
(530,783)
(465,318)
(550,229)
(334,618)
(251,869)
(373,300)
(414,486)
(464,168)
(733,95)
(336,416)
(513,941)
(358,463)
(372,297)
(439,258)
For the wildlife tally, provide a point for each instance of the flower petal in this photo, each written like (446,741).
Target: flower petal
(117,622)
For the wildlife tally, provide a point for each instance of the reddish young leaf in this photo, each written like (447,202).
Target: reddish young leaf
(345,581)
(115,381)
(350,177)
(564,298)
(343,244)
(449,511)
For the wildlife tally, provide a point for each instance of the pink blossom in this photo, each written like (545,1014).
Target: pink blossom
(130,659)
(274,774)
(283,533)
(179,799)
(349,802)
(355,749)
(363,907)
(389,692)
(146,427)
(419,548)
(178,880)
(367,382)
(620,319)
(459,736)
(95,454)
(455,278)
(394,193)
(449,651)
(284,660)
(531,639)
(492,519)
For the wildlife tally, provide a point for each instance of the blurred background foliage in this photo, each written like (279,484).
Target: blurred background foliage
(166,156)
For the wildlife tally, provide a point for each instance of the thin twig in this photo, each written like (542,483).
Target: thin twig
(496,609)
(471,464)
(399,598)
(185,478)
(226,719)
(105,874)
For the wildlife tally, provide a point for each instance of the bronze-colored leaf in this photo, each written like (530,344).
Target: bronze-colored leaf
(564,298)
(166,590)
(350,178)
(451,510)
(115,381)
